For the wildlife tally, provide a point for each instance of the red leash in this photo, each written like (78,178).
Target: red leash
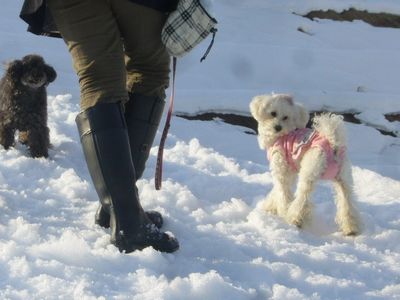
(158,175)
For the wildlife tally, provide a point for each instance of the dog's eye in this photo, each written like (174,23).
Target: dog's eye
(285,118)
(273,114)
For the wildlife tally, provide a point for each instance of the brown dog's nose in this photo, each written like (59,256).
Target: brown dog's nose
(278,128)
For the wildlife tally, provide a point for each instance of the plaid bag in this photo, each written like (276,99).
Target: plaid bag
(186,27)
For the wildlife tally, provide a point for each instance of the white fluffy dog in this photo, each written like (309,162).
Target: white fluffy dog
(312,154)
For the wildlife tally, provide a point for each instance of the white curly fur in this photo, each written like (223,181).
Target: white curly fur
(277,115)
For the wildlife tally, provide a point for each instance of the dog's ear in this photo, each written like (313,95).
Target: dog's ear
(14,70)
(258,105)
(301,116)
(286,97)
(50,73)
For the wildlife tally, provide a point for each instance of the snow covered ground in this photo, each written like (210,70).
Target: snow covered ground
(215,175)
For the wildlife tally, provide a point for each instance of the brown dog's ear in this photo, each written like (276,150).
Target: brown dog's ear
(14,70)
(258,106)
(301,116)
(50,73)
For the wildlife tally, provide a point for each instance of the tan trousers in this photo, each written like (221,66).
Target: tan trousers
(115,46)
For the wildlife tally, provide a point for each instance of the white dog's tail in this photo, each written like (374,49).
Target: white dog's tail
(332,127)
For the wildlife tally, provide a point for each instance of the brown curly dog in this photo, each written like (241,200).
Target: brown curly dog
(23,104)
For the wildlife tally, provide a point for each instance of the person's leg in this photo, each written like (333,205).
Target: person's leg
(91,33)
(105,142)
(142,115)
(148,67)
(93,38)
(147,63)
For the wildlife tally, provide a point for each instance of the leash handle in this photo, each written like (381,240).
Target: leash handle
(158,175)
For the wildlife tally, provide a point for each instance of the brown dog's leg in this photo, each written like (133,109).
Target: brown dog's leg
(7,136)
(38,141)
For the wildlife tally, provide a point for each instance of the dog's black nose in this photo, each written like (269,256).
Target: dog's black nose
(278,128)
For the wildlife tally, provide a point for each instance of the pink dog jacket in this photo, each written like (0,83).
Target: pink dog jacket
(296,143)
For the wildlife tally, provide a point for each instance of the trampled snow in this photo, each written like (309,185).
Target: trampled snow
(214,174)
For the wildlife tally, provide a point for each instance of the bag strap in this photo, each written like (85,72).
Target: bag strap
(158,175)
(213,31)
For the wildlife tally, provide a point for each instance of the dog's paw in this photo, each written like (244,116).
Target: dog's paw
(297,217)
(7,144)
(350,228)
(295,220)
(37,153)
(270,207)
(351,233)
(298,213)
(349,223)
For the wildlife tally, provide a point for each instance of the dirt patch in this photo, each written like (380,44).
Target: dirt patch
(251,123)
(232,119)
(393,117)
(374,19)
